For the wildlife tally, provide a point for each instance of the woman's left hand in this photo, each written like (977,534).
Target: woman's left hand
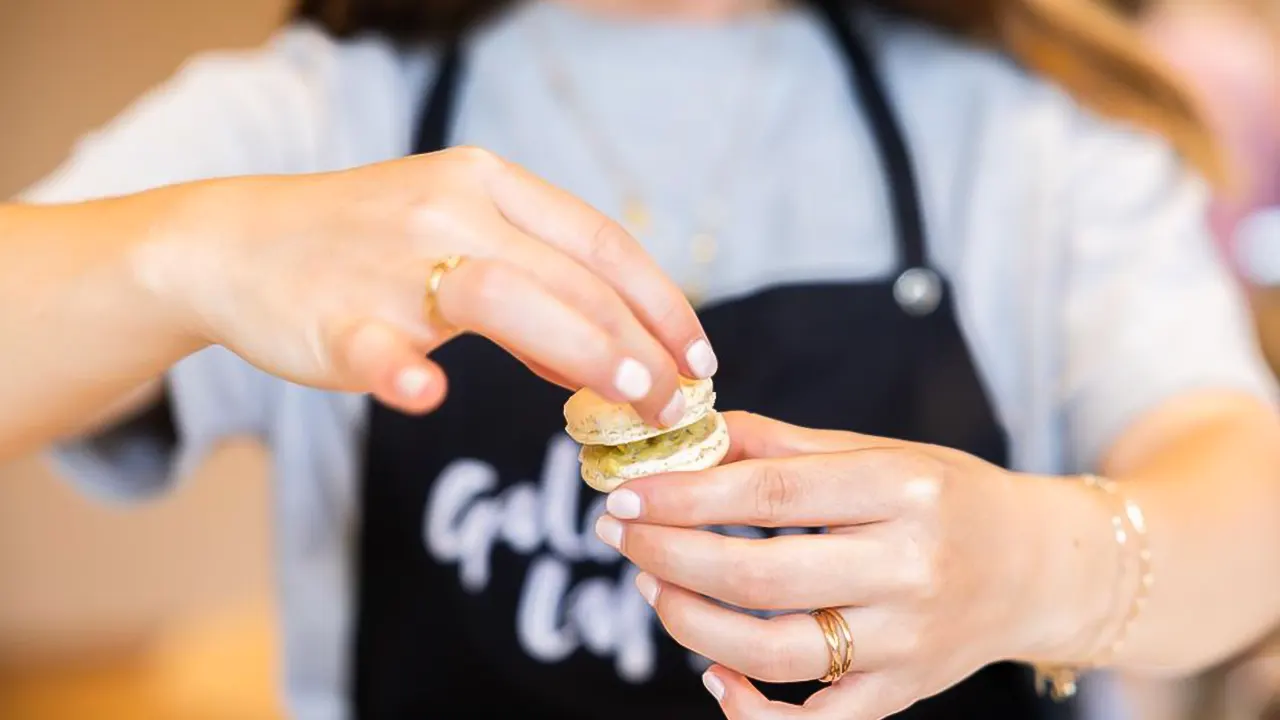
(932,556)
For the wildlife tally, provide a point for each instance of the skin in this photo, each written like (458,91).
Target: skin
(321,280)
(942,563)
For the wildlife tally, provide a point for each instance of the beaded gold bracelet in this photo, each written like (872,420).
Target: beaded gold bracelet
(1129,526)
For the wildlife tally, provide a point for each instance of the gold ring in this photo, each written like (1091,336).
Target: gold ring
(430,311)
(839,639)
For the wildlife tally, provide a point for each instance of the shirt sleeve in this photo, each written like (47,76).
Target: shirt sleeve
(208,398)
(221,114)
(1150,310)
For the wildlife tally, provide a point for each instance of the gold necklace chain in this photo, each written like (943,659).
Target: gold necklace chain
(710,215)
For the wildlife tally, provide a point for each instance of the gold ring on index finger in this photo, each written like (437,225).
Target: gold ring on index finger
(839,639)
(430,303)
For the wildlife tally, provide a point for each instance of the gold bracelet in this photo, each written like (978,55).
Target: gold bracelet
(1129,526)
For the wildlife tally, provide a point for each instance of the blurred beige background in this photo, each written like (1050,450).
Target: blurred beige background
(141,611)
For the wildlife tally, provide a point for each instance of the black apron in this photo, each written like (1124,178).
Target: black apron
(483,591)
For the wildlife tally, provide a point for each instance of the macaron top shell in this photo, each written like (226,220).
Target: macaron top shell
(592,420)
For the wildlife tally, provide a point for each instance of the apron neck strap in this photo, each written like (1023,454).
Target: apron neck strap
(891,143)
(436,117)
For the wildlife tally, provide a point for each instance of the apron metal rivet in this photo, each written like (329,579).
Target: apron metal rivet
(918,291)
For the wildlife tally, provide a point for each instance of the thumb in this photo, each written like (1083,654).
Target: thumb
(381,360)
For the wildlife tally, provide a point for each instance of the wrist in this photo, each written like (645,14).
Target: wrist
(100,246)
(1072,584)
(186,260)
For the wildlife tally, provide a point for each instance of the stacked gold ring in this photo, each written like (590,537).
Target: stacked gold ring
(839,639)
(430,309)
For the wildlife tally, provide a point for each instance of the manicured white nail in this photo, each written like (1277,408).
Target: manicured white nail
(674,411)
(714,685)
(412,382)
(610,531)
(623,504)
(648,587)
(633,379)
(702,359)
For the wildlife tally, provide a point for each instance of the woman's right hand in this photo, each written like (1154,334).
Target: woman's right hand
(321,280)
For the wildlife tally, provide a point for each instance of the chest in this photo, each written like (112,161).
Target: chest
(780,166)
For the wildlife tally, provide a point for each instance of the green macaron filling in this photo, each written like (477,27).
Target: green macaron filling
(612,458)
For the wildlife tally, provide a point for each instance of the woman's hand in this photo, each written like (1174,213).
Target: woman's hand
(931,556)
(321,279)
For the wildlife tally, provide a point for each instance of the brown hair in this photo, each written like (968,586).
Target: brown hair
(1089,47)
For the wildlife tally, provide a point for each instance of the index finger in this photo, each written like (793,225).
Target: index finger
(558,218)
(854,488)
(756,436)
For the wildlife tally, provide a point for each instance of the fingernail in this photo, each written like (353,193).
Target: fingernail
(633,379)
(714,685)
(623,504)
(412,382)
(648,587)
(674,411)
(610,531)
(702,359)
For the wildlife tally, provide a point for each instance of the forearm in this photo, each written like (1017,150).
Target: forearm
(83,336)
(1209,487)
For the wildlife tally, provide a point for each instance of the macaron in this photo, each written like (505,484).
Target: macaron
(617,445)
